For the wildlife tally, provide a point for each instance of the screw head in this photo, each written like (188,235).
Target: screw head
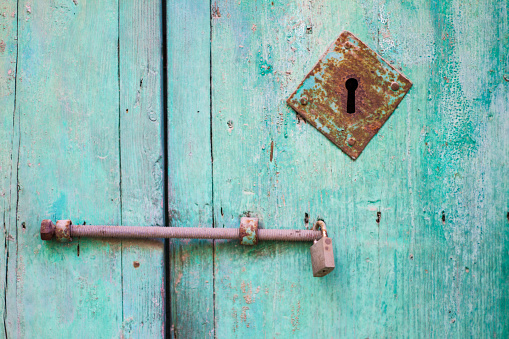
(304,100)
(394,86)
(351,141)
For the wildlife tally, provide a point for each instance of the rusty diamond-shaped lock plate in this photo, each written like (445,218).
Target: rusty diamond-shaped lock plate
(322,97)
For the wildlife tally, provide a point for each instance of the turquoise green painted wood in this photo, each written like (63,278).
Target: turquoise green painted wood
(7,103)
(140,58)
(419,221)
(71,151)
(189,167)
(68,167)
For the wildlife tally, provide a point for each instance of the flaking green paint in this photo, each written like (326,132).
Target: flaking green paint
(264,61)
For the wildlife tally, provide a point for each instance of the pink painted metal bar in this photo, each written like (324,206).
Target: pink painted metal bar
(64,230)
(100,231)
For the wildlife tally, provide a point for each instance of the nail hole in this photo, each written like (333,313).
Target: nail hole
(136,264)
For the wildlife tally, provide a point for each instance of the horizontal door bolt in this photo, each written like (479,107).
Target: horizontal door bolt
(64,231)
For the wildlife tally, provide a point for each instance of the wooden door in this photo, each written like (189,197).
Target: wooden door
(95,129)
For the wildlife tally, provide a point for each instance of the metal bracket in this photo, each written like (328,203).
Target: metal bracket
(248,231)
(350,94)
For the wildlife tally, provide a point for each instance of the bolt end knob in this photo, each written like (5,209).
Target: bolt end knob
(47,229)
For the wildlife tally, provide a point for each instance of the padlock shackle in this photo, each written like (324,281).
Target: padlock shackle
(320,224)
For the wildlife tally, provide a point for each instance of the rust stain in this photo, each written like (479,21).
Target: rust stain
(323,98)
(177,281)
(183,257)
(243,315)
(215,11)
(271,150)
(236,321)
(248,231)
(295,317)
(63,230)
(248,293)
(136,264)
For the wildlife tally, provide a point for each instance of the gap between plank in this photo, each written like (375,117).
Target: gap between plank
(7,254)
(120,161)
(212,174)
(166,212)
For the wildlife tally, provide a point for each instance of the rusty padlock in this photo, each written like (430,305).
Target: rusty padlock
(322,255)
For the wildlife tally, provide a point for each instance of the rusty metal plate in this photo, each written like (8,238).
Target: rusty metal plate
(324,100)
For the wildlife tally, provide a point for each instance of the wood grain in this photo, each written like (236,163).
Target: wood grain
(140,62)
(189,167)
(8,58)
(418,221)
(67,109)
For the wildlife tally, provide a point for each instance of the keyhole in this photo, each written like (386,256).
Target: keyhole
(351,85)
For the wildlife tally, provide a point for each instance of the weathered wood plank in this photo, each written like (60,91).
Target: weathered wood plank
(67,98)
(8,54)
(401,269)
(189,166)
(140,58)
(463,158)
(260,53)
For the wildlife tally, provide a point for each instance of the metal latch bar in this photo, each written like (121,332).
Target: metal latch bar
(64,231)
(248,233)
